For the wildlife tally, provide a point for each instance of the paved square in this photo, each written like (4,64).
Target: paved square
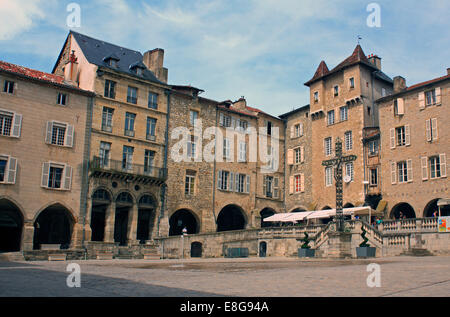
(253,277)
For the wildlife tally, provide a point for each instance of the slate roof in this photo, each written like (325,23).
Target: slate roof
(97,52)
(302,108)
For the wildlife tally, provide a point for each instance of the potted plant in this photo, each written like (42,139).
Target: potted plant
(365,250)
(305,250)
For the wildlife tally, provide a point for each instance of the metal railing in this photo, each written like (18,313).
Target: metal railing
(129,168)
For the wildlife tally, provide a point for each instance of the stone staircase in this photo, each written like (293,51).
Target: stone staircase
(124,254)
(417,252)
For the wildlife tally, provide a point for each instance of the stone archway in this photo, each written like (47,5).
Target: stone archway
(146,215)
(404,209)
(265,213)
(349,205)
(11,226)
(124,204)
(181,219)
(101,200)
(54,225)
(230,218)
(431,208)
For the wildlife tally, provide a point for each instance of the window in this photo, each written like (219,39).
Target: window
(383,92)
(132,95)
(225,121)
(189,183)
(110,89)
(193,116)
(192,147)
(226,149)
(271,187)
(401,136)
(328,176)
(336,91)
(373,147)
(242,152)
(298,184)
(374,177)
(430,97)
(344,113)
(58,134)
(348,140)
(149,160)
(8,87)
(316,96)
(127,158)
(352,82)
(224,180)
(3,163)
(328,147)
(269,127)
(6,121)
(349,171)
(107,117)
(298,130)
(298,155)
(331,117)
(242,183)
(151,129)
(55,177)
(242,125)
(62,99)
(402,169)
(105,153)
(129,124)
(152,100)
(431,130)
(435,167)
(8,170)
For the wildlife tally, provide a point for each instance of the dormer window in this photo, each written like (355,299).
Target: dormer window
(111,60)
(137,68)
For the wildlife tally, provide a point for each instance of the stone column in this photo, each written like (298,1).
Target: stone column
(87,222)
(132,225)
(109,222)
(27,236)
(77,235)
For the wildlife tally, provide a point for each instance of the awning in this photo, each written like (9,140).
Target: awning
(275,218)
(382,206)
(356,211)
(288,217)
(443,202)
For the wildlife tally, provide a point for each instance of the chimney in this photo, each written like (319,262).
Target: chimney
(448,71)
(240,104)
(375,60)
(71,69)
(399,84)
(154,60)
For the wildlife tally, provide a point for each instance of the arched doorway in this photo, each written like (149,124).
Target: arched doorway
(432,208)
(262,249)
(146,216)
(231,218)
(11,224)
(182,219)
(403,210)
(326,221)
(196,250)
(349,205)
(265,213)
(101,200)
(53,226)
(124,203)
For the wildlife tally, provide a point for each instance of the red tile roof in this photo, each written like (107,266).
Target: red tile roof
(31,73)
(428,82)
(321,71)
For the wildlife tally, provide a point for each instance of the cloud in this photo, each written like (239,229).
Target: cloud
(18,16)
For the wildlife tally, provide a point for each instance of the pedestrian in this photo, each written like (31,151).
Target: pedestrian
(435,214)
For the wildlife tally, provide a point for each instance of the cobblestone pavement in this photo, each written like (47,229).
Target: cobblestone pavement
(253,277)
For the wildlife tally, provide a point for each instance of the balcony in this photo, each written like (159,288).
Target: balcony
(128,171)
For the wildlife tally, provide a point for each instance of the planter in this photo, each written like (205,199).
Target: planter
(306,253)
(365,252)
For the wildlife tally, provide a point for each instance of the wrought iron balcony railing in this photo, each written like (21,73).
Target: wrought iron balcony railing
(124,167)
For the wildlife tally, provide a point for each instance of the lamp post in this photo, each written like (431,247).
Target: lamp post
(184,232)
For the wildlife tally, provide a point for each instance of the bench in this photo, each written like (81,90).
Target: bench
(57,257)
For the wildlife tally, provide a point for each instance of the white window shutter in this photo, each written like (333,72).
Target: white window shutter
(443,162)
(407,135)
(17,125)
(67,177)
(69,136)
(392,138)
(393,173)
(301,129)
(424,168)
(409,166)
(45,174)
(428,129)
(290,157)
(264,185)
(438,96)
(422,100)
(233,123)
(236,180)
(291,185)
(293,131)
(48,139)
(231,183)
(247,185)
(302,149)
(303,183)
(434,129)
(12,170)
(400,106)
(219,180)
(275,187)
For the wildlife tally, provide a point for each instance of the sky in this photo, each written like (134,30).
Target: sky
(264,50)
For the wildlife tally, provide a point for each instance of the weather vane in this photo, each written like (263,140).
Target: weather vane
(359,38)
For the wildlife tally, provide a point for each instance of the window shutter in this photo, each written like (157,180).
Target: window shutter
(303,182)
(400,106)
(264,185)
(231,183)
(392,138)
(302,150)
(424,168)
(290,157)
(443,162)
(233,123)
(69,136)
(17,125)
(393,173)
(434,129)
(438,95)
(67,177)
(422,100)
(428,129)
(291,185)
(219,180)
(407,135)
(247,185)
(221,119)
(409,166)
(236,180)
(12,170)
(48,139)
(293,131)
(275,187)
(45,174)
(301,129)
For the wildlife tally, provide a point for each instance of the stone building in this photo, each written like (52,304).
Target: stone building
(43,143)
(415,140)
(128,143)
(342,106)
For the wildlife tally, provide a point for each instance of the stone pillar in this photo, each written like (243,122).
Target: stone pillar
(77,235)
(109,222)
(132,224)
(164,227)
(27,236)
(87,224)
(339,245)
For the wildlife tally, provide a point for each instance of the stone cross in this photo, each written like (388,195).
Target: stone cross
(337,164)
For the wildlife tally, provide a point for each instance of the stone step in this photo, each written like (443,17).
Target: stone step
(417,252)
(12,257)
